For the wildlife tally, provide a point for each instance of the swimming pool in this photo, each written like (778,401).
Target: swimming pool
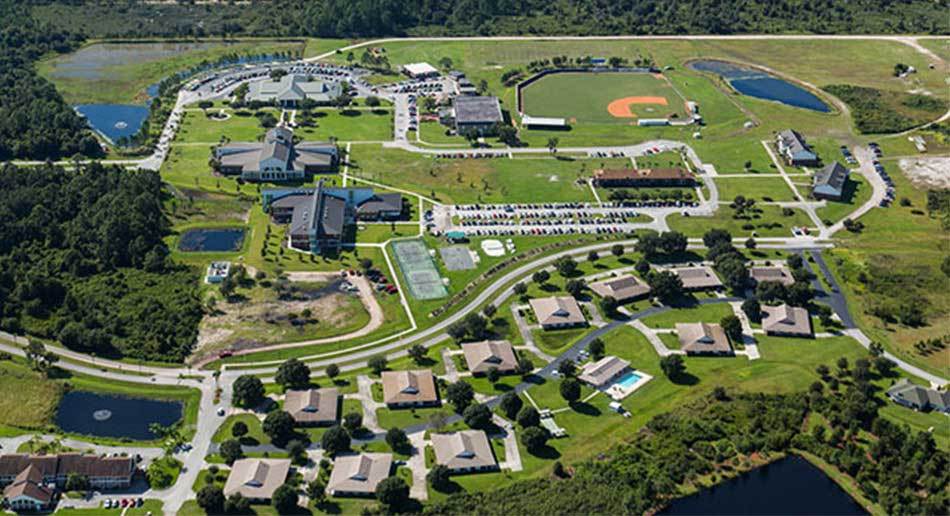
(628,380)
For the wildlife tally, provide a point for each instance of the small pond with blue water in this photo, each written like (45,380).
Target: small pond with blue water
(106,415)
(789,486)
(761,85)
(211,240)
(114,121)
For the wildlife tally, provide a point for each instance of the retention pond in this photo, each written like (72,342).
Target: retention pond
(104,415)
(761,85)
(790,486)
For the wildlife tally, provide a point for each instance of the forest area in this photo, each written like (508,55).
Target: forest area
(82,261)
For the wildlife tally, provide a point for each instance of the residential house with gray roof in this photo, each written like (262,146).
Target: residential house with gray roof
(358,475)
(703,339)
(786,321)
(464,451)
(919,398)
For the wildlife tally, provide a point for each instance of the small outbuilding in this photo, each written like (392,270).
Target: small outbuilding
(420,70)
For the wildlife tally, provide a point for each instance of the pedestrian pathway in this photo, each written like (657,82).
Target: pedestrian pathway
(512,460)
(451,372)
(364,394)
(526,334)
(658,344)
(417,464)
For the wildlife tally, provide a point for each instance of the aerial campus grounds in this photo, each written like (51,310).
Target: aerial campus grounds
(489,200)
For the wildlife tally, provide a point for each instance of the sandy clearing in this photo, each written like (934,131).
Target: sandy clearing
(620,108)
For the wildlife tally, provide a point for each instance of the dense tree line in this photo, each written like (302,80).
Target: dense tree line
(82,261)
(348,18)
(35,123)
(901,470)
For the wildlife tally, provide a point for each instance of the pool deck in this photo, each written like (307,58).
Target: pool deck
(617,392)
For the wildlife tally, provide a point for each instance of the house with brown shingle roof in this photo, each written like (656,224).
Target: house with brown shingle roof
(786,321)
(358,475)
(28,492)
(779,273)
(409,388)
(622,288)
(257,479)
(482,356)
(703,339)
(620,177)
(702,277)
(102,472)
(464,451)
(558,312)
(314,407)
(603,371)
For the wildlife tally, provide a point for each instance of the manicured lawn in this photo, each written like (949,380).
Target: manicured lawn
(242,126)
(758,188)
(585,97)
(349,125)
(390,418)
(535,179)
(556,341)
(148,507)
(255,434)
(712,313)
(503,385)
(769,223)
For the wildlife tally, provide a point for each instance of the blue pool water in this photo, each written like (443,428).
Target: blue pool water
(114,121)
(761,85)
(628,380)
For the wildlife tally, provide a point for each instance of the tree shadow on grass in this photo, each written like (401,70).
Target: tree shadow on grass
(501,387)
(685,378)
(452,488)
(534,379)
(582,407)
(547,287)
(546,452)
(353,113)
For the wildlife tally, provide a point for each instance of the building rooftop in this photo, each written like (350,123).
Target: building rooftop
(621,288)
(786,319)
(780,274)
(700,277)
(312,405)
(465,449)
(257,478)
(600,372)
(293,87)
(477,110)
(920,396)
(701,338)
(557,311)
(29,483)
(409,387)
(831,178)
(484,355)
(359,473)
(420,69)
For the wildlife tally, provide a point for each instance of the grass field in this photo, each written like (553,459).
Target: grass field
(585,97)
(542,179)
(770,223)
(764,188)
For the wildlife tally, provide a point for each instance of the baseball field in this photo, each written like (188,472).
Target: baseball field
(603,98)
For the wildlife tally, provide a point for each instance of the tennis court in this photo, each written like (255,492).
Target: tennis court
(457,258)
(419,270)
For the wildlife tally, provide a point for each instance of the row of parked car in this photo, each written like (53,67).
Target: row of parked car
(470,155)
(417,86)
(122,503)
(553,230)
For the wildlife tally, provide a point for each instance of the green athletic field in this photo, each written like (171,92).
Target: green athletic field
(584,97)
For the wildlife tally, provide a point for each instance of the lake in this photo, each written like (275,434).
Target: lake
(211,240)
(788,486)
(114,121)
(761,85)
(105,415)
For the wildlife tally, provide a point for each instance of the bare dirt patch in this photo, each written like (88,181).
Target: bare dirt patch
(620,108)
(927,172)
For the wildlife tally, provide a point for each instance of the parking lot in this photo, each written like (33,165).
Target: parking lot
(545,218)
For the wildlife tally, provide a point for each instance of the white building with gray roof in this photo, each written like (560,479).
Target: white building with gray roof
(277,159)
(292,89)
(829,182)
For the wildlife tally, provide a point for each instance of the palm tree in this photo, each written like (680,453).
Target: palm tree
(552,144)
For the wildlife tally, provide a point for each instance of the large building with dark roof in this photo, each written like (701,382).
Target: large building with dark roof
(919,398)
(320,217)
(829,182)
(277,159)
(479,114)
(30,481)
(792,147)
(621,177)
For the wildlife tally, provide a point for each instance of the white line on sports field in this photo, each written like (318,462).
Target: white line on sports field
(346,167)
